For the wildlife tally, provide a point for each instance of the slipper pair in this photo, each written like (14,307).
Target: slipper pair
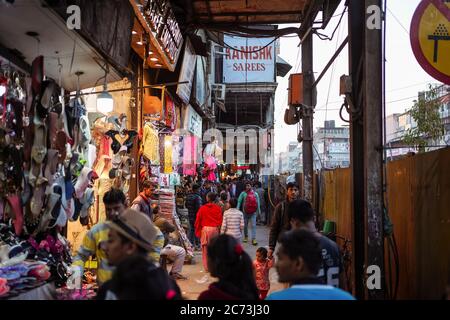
(4,288)
(14,204)
(83,181)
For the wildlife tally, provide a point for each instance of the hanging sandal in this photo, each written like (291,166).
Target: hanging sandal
(37,201)
(83,182)
(52,165)
(39,149)
(16,212)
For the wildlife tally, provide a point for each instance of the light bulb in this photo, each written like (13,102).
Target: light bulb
(105,102)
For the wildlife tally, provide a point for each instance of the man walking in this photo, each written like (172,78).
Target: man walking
(249,204)
(280,219)
(301,216)
(261,219)
(193,204)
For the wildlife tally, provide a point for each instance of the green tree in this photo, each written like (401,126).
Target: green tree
(425,113)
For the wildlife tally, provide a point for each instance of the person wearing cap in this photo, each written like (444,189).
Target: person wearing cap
(94,240)
(130,235)
(142,202)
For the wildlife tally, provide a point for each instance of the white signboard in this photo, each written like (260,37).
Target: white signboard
(187,73)
(193,122)
(254,62)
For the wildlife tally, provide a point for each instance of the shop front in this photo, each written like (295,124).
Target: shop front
(52,145)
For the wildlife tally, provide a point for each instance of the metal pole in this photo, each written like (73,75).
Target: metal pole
(235,110)
(308,79)
(356,35)
(260,109)
(142,87)
(373,157)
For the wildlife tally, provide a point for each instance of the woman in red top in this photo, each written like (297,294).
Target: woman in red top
(207,224)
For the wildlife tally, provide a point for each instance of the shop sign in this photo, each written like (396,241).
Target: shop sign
(193,122)
(253,61)
(430,38)
(200,82)
(161,19)
(187,73)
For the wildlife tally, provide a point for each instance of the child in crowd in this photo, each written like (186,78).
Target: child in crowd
(228,262)
(262,267)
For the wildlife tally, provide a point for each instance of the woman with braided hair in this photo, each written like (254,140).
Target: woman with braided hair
(228,262)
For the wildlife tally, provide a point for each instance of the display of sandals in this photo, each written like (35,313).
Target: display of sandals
(46,153)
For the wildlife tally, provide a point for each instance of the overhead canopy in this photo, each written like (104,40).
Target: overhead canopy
(232,13)
(54,41)
(249,11)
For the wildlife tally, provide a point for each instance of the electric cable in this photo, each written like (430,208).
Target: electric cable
(325,37)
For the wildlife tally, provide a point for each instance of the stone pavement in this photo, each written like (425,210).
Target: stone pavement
(199,280)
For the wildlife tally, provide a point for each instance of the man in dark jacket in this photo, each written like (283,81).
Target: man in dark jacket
(142,202)
(280,219)
(193,203)
(207,188)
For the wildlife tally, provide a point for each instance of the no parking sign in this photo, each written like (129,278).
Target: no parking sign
(430,38)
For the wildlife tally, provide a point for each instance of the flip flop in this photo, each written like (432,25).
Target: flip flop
(52,165)
(14,202)
(91,155)
(37,200)
(37,74)
(50,218)
(39,149)
(83,182)
(60,142)
(87,201)
(66,214)
(26,188)
(2,208)
(84,131)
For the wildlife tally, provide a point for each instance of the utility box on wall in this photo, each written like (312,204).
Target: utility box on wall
(295,90)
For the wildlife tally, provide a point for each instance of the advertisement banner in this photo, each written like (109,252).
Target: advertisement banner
(187,73)
(193,122)
(253,61)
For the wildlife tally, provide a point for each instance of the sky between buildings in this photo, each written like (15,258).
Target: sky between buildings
(404,76)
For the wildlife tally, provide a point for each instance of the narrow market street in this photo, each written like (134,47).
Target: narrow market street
(132,131)
(197,282)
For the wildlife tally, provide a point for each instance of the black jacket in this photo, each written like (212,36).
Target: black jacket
(280,223)
(193,203)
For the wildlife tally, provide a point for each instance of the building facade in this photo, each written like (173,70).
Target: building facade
(332,146)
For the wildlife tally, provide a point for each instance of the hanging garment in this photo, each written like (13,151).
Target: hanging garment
(175,179)
(168,154)
(190,155)
(169,113)
(176,149)
(150,144)
(120,139)
(164,180)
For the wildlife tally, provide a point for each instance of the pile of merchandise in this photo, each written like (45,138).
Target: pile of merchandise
(28,264)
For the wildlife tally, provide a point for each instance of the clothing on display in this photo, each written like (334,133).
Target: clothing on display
(150,144)
(168,154)
(190,149)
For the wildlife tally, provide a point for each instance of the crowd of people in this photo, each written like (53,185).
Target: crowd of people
(129,246)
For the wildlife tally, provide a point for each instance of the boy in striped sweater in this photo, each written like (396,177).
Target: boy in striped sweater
(233,221)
